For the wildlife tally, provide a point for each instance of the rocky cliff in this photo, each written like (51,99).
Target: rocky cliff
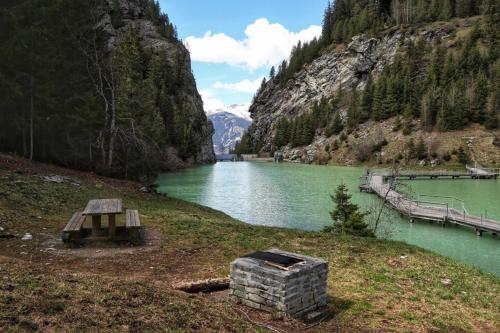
(343,69)
(324,77)
(187,99)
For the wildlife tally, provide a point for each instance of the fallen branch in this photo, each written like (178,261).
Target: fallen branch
(203,285)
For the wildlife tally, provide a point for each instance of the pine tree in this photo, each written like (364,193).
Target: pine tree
(272,73)
(431,105)
(437,62)
(346,216)
(411,149)
(367,101)
(479,100)
(326,34)
(492,117)
(448,72)
(447,11)
(391,102)
(379,98)
(407,120)
(116,14)
(421,149)
(353,116)
(337,125)
(464,8)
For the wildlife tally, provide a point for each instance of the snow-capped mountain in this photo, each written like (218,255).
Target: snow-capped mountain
(239,110)
(229,129)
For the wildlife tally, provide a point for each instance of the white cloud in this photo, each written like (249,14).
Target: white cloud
(212,105)
(266,44)
(245,86)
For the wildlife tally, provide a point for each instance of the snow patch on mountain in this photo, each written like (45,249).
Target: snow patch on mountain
(229,128)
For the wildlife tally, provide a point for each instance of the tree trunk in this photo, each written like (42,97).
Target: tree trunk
(203,285)
(91,158)
(25,143)
(112,132)
(32,107)
(391,186)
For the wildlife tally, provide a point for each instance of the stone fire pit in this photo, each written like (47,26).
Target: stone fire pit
(278,281)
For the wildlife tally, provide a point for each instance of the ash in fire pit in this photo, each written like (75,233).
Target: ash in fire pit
(279,281)
(275,258)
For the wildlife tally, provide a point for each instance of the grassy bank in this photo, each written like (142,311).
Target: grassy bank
(374,285)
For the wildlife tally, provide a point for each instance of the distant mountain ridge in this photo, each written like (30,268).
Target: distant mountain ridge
(229,129)
(239,110)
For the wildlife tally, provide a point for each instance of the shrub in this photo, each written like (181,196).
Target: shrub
(336,145)
(322,157)
(397,125)
(496,141)
(463,156)
(363,151)
(406,131)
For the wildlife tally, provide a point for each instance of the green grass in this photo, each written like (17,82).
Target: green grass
(370,286)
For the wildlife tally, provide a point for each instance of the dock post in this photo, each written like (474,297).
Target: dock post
(479,232)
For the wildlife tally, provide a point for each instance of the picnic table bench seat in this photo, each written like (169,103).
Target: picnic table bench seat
(132,223)
(72,230)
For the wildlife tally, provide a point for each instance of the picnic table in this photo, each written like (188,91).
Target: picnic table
(75,230)
(98,208)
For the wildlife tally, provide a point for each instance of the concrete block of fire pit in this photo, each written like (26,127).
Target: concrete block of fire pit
(280,281)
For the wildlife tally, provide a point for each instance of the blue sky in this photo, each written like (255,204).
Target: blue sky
(234,43)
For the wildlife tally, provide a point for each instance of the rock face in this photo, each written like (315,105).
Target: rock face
(229,129)
(324,77)
(349,67)
(188,99)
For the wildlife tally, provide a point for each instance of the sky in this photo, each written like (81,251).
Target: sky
(234,43)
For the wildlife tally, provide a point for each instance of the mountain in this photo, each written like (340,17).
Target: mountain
(103,85)
(229,129)
(239,110)
(416,92)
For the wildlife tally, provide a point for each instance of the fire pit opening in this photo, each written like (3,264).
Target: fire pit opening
(275,258)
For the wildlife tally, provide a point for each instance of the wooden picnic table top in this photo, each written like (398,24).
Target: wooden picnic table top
(103,206)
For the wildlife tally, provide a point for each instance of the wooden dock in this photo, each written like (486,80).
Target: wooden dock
(426,210)
(471,172)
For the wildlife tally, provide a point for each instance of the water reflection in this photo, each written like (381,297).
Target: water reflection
(298,196)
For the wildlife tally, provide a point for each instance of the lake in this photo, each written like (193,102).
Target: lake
(298,196)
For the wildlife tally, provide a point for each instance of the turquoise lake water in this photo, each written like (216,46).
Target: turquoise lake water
(298,196)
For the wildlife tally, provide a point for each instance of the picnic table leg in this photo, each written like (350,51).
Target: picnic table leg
(96,224)
(112,225)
